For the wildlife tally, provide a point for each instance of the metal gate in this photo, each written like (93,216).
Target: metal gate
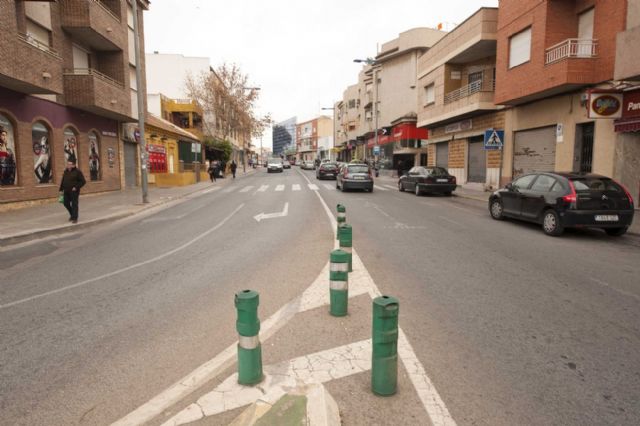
(477,161)
(130,164)
(442,155)
(586,151)
(534,151)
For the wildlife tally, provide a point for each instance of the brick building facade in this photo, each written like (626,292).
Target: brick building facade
(67,82)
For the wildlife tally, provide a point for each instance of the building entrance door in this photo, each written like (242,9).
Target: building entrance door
(442,155)
(477,160)
(583,157)
(130,164)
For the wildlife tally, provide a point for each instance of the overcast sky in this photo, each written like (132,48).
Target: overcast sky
(299,52)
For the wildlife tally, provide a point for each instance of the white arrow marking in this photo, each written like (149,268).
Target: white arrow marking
(313,186)
(280,188)
(263,216)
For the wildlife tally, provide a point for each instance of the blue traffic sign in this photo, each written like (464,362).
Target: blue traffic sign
(493,139)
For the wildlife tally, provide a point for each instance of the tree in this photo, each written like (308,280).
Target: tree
(224,146)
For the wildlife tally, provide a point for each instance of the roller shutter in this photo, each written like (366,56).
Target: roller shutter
(534,151)
(442,155)
(477,161)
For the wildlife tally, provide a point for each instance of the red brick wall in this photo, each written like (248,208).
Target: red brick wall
(552,22)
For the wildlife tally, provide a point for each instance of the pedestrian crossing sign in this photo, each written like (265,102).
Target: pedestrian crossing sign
(493,139)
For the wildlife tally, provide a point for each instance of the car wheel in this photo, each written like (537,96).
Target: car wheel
(551,223)
(400,187)
(417,190)
(496,210)
(616,232)
(371,189)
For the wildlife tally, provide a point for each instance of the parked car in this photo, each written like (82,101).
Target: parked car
(355,176)
(274,165)
(286,164)
(327,170)
(421,180)
(308,165)
(565,200)
(293,162)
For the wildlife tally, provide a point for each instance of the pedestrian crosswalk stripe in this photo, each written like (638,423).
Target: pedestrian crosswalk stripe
(295,187)
(313,186)
(389,186)
(247,188)
(280,188)
(380,188)
(329,186)
(263,188)
(228,190)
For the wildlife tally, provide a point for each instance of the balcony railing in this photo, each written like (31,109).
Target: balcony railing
(571,48)
(470,89)
(27,38)
(107,9)
(95,73)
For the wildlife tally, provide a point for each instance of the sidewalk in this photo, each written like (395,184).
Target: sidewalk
(38,221)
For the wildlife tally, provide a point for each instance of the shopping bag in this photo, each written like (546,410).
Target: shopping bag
(61,198)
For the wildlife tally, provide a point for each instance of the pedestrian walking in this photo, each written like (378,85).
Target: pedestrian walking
(234,166)
(72,181)
(212,171)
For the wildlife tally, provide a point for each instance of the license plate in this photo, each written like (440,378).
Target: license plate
(358,177)
(329,174)
(606,218)
(442,180)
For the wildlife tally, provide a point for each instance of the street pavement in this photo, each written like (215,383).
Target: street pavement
(500,323)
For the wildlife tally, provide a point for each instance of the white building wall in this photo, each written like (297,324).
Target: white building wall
(166,73)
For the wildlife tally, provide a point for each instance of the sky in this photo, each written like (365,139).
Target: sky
(300,53)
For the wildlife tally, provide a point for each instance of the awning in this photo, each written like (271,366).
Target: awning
(627,124)
(403,131)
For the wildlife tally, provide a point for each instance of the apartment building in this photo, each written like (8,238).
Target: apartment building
(555,62)
(67,82)
(284,136)
(310,136)
(347,116)
(456,88)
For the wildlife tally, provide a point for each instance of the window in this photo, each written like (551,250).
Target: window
(94,157)
(352,103)
(523,182)
(70,145)
(80,57)
(429,94)
(41,152)
(520,48)
(7,153)
(38,35)
(543,183)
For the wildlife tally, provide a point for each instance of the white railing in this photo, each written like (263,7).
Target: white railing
(95,73)
(28,38)
(470,89)
(571,48)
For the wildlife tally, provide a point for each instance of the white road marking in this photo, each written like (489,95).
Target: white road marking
(295,187)
(128,268)
(263,188)
(211,190)
(390,186)
(263,216)
(606,284)
(279,188)
(230,189)
(247,188)
(450,221)
(380,188)
(329,186)
(313,186)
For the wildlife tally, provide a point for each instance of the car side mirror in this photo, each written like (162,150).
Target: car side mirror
(509,186)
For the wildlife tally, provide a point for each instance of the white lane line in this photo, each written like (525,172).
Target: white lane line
(295,187)
(450,221)
(247,188)
(128,268)
(390,186)
(380,188)
(279,188)
(263,188)
(450,204)
(329,186)
(313,186)
(606,284)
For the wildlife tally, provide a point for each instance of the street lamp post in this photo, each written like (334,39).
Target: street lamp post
(372,62)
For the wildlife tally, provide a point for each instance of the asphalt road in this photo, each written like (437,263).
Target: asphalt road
(512,326)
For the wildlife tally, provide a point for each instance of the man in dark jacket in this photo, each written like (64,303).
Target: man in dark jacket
(72,181)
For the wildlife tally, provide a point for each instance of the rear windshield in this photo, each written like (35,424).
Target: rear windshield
(437,171)
(359,169)
(329,166)
(275,160)
(596,184)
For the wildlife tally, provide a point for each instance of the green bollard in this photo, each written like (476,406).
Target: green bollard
(248,327)
(384,355)
(341,218)
(346,242)
(338,283)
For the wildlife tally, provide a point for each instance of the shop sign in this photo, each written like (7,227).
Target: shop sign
(460,126)
(631,104)
(605,105)
(110,134)
(156,148)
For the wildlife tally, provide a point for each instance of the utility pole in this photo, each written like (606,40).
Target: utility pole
(141,109)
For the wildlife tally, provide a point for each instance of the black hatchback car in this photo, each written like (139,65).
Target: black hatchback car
(327,170)
(427,179)
(565,200)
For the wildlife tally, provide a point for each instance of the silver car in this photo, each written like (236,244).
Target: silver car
(274,165)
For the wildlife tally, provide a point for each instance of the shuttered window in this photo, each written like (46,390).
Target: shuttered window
(520,48)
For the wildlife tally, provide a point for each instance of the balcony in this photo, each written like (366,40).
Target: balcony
(94,23)
(92,91)
(34,68)
(470,89)
(571,48)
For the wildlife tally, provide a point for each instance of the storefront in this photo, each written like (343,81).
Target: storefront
(627,128)
(38,137)
(399,147)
